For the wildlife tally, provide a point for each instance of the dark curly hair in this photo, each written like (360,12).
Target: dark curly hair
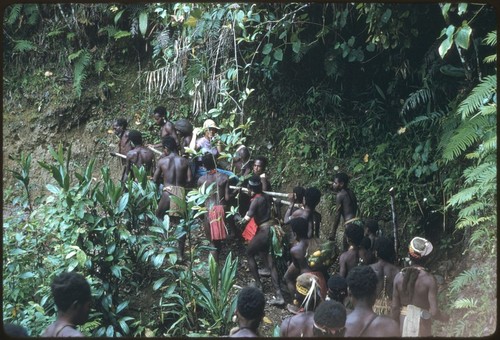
(331,314)
(312,196)
(299,226)
(251,303)
(299,193)
(255,184)
(385,249)
(170,143)
(355,233)
(371,225)
(208,161)
(160,111)
(362,282)
(337,288)
(135,137)
(122,122)
(263,160)
(342,178)
(68,288)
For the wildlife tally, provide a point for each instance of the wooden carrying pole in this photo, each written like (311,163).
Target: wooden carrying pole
(154,150)
(270,193)
(120,155)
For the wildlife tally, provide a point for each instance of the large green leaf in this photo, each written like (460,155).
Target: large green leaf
(462,36)
(447,42)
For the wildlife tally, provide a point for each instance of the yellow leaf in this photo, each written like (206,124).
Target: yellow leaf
(401,130)
(191,21)
(365,159)
(267,320)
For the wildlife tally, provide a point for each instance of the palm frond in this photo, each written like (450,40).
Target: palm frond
(463,196)
(23,46)
(431,118)
(473,221)
(483,173)
(491,38)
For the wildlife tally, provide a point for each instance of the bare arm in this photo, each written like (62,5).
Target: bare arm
(343,266)
(396,305)
(157,174)
(432,296)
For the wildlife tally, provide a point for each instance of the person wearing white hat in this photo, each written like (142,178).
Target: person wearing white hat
(414,297)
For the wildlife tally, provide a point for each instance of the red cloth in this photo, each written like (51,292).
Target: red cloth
(250,230)
(217,226)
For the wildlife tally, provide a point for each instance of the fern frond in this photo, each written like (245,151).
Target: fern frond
(32,12)
(490,145)
(464,137)
(463,279)
(479,235)
(82,60)
(419,97)
(474,209)
(13,14)
(483,173)
(490,59)
(491,38)
(23,46)
(463,196)
(465,303)
(480,95)
(431,118)
(472,221)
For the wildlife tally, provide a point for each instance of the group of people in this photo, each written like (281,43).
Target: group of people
(372,296)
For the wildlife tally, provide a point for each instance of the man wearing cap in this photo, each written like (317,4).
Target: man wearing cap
(414,296)
(167,127)
(258,235)
(308,296)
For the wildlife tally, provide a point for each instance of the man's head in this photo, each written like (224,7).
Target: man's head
(135,137)
(308,291)
(71,292)
(312,196)
(419,249)
(354,233)
(251,303)
(210,128)
(329,319)
(299,227)
(119,126)
(242,154)
(371,227)
(159,115)
(362,283)
(169,143)
(384,249)
(340,181)
(208,161)
(255,184)
(259,165)
(299,193)
(337,288)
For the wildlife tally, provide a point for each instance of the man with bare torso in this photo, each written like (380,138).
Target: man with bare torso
(346,205)
(312,197)
(386,271)
(356,255)
(258,223)
(214,220)
(167,128)
(139,156)
(175,174)
(120,130)
(414,295)
(362,321)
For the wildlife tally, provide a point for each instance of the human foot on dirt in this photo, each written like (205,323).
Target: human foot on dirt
(279,301)
(293,309)
(255,284)
(264,272)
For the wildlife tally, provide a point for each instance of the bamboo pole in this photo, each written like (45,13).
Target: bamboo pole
(270,193)
(154,150)
(119,155)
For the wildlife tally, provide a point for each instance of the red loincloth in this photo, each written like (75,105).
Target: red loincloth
(217,226)
(250,230)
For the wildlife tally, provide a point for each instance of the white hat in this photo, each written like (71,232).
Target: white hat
(210,124)
(420,247)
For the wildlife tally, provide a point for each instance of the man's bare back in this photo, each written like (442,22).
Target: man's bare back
(173,170)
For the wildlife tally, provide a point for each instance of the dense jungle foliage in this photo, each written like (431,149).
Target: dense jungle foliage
(396,95)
